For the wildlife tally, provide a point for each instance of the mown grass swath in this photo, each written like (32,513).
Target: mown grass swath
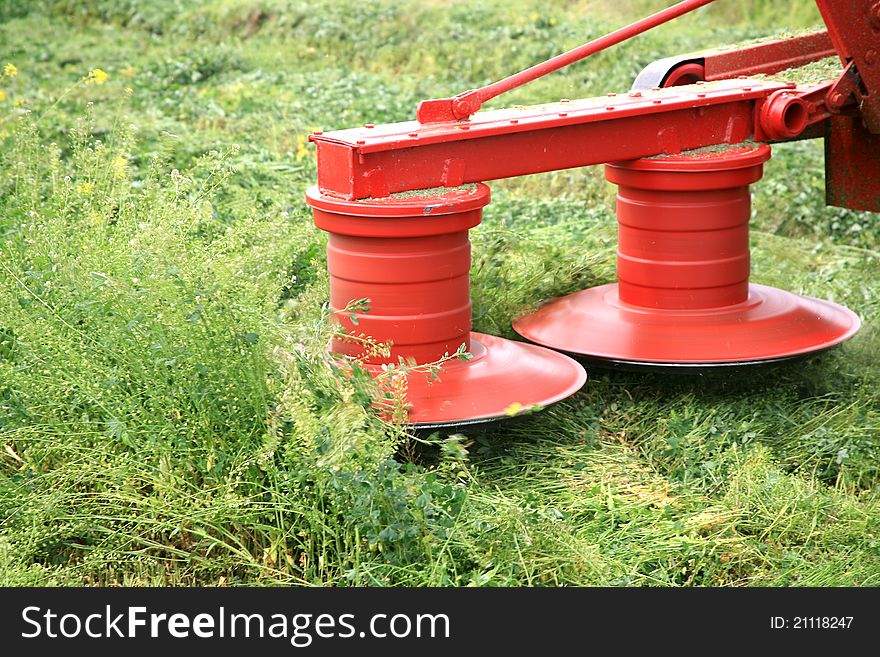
(166,412)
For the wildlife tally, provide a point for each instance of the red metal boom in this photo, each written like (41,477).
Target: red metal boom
(381,160)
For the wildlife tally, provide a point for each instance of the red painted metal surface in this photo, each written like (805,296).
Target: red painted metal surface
(854,28)
(376,161)
(730,62)
(784,115)
(502,379)
(465,104)
(787,114)
(411,258)
(381,160)
(768,57)
(683,74)
(683,295)
(852,165)
(683,228)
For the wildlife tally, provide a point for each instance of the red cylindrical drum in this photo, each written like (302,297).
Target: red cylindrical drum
(412,261)
(683,228)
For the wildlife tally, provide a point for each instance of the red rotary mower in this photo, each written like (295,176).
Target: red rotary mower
(682,146)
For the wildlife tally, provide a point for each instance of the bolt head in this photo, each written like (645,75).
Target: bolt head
(462,108)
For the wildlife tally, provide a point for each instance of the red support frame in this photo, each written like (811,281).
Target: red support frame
(854,27)
(377,161)
(382,160)
(730,62)
(769,57)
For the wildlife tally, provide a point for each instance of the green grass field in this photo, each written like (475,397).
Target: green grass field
(165,416)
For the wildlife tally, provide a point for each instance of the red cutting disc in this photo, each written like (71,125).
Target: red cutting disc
(502,379)
(770,325)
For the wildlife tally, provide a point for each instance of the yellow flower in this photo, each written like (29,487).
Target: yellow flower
(513,409)
(552,22)
(534,18)
(96,76)
(301,149)
(119,166)
(85,188)
(2,95)
(129,91)
(10,70)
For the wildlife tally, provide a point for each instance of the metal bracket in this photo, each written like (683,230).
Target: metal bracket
(854,27)
(844,90)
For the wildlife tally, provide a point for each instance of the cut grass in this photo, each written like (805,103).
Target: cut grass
(165,414)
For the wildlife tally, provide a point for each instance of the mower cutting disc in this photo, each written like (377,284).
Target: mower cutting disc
(770,325)
(502,379)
